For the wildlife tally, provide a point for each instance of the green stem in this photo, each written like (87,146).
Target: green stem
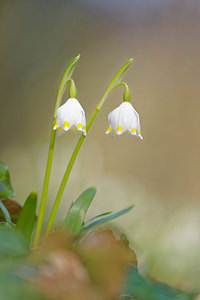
(65,80)
(126,95)
(47,176)
(113,84)
(67,173)
(45,188)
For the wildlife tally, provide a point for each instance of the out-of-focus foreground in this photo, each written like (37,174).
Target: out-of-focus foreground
(160,174)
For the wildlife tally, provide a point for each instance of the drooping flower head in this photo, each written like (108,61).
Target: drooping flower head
(70,115)
(124,119)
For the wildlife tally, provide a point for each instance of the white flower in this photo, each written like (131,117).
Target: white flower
(124,119)
(70,115)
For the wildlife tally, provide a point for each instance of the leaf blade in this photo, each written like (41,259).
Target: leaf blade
(115,80)
(13,208)
(6,188)
(98,216)
(63,84)
(76,214)
(26,220)
(142,288)
(12,243)
(5,212)
(108,218)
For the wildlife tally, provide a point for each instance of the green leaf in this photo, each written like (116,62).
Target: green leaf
(116,80)
(97,217)
(11,243)
(107,218)
(13,208)
(14,287)
(5,212)
(26,220)
(6,189)
(141,288)
(7,225)
(78,210)
(63,84)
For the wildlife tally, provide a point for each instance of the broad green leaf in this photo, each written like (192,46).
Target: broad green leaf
(12,243)
(14,287)
(6,189)
(13,208)
(5,212)
(141,288)
(26,220)
(63,84)
(7,225)
(107,218)
(116,80)
(78,210)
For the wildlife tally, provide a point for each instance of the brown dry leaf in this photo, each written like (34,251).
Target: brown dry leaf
(61,274)
(13,208)
(93,268)
(106,260)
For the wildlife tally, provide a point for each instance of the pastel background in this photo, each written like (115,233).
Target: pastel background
(160,174)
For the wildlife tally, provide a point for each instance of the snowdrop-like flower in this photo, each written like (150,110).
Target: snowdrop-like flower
(124,119)
(70,115)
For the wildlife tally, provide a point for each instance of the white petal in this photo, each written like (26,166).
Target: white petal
(124,119)
(81,123)
(141,137)
(55,126)
(72,113)
(58,132)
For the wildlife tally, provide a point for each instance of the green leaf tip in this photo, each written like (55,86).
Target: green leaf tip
(116,80)
(64,81)
(132,206)
(93,187)
(34,193)
(106,218)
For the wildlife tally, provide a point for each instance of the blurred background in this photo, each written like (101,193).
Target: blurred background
(160,174)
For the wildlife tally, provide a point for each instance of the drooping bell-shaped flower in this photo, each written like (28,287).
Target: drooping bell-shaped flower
(124,119)
(70,115)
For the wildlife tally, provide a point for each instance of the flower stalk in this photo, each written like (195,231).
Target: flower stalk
(115,82)
(63,85)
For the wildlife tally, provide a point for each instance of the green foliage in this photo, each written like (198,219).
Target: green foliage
(6,189)
(140,288)
(5,212)
(74,220)
(12,243)
(66,77)
(98,216)
(115,81)
(14,288)
(13,209)
(106,218)
(76,214)
(27,217)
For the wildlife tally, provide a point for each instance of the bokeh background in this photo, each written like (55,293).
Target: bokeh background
(160,175)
